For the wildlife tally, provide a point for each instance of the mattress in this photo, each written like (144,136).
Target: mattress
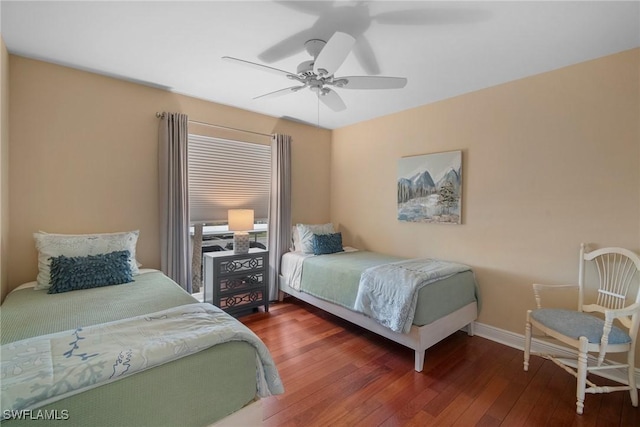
(335,278)
(194,390)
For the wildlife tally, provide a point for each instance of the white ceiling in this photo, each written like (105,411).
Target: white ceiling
(449,49)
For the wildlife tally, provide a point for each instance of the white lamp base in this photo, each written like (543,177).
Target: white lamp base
(240,242)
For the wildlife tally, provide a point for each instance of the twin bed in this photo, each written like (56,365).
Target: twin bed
(212,370)
(416,303)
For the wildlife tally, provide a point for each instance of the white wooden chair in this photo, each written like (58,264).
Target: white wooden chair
(618,298)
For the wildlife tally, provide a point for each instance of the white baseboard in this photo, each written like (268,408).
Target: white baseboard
(511,339)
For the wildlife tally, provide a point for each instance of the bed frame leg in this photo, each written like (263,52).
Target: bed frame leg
(419,360)
(471,329)
(280,296)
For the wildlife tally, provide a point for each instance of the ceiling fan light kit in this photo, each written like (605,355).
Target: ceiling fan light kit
(318,74)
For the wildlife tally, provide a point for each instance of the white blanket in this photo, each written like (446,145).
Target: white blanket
(388,293)
(41,370)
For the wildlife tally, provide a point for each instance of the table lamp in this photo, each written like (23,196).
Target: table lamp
(240,222)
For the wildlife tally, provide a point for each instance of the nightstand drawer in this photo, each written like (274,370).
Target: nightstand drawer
(240,282)
(241,301)
(241,264)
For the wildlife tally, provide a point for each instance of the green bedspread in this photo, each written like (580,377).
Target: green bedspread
(27,313)
(336,277)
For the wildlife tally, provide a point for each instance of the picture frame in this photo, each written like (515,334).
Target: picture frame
(430,188)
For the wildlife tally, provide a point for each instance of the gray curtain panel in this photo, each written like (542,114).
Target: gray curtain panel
(174,198)
(196,258)
(279,208)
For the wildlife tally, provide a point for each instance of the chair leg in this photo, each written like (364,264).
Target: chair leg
(527,342)
(633,391)
(582,375)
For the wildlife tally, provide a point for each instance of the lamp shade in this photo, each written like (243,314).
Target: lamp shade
(240,219)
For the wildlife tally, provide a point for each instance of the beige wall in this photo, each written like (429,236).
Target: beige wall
(549,162)
(84,159)
(4,167)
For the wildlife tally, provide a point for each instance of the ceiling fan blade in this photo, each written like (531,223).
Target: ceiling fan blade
(280,92)
(365,55)
(371,82)
(431,16)
(311,8)
(259,66)
(289,46)
(331,99)
(333,54)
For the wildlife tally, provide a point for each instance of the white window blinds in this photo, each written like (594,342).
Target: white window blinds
(226,174)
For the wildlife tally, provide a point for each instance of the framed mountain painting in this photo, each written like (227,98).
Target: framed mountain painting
(430,188)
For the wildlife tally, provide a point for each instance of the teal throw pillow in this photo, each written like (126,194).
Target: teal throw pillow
(327,243)
(91,271)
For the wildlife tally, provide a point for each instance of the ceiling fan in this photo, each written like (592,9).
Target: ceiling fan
(317,74)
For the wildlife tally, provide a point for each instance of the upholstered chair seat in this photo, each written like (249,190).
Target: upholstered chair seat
(576,324)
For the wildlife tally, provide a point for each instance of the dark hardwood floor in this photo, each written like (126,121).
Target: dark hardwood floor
(337,374)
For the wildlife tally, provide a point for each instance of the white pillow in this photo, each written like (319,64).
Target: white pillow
(53,245)
(305,235)
(295,238)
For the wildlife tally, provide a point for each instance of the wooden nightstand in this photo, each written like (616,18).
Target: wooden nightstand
(237,283)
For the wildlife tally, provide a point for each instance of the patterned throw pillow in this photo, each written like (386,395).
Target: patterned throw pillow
(91,271)
(327,243)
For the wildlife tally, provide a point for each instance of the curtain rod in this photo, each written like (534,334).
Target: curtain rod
(161,115)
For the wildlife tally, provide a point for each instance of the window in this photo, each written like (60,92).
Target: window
(225,174)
